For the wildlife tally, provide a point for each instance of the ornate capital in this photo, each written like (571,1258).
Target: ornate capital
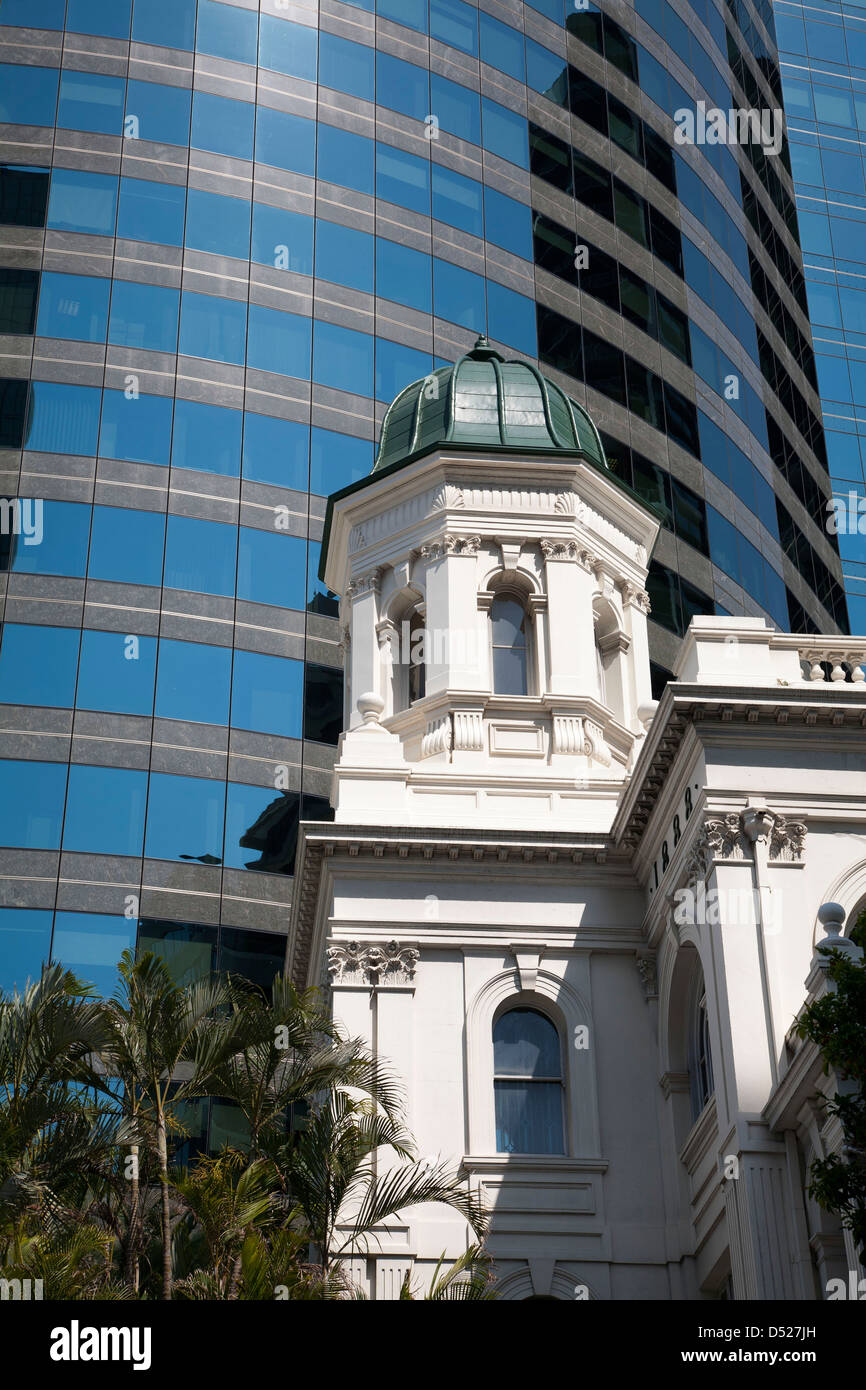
(364,583)
(647,968)
(634,597)
(371,964)
(560,550)
(451,545)
(787,840)
(718,838)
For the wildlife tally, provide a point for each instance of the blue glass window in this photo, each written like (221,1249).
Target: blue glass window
(457,200)
(206,438)
(222,125)
(319,596)
(90,101)
(116,672)
(31,804)
(151,212)
(347,67)
(185,818)
(287,47)
(33,14)
(267,694)
(218,224)
(25,933)
(104,810)
(343,359)
(454,23)
(336,460)
(144,316)
(344,255)
(38,665)
(456,108)
(412,13)
(193,682)
(345,159)
(527,1069)
(404,275)
(62,548)
(276,451)
(126,545)
(403,179)
(213,327)
(167,22)
(511,319)
(502,47)
(723,543)
(279,342)
(161,113)
(109,17)
(73,306)
(271,568)
(458,295)
(227,31)
(402,86)
(261,829)
(63,419)
(28,96)
(505,133)
(200,555)
(397,366)
(82,202)
(90,944)
(283,239)
(136,428)
(285,141)
(508,223)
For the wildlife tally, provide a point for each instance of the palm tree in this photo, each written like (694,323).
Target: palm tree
(468,1280)
(226,1197)
(56,1140)
(166,1043)
(334,1172)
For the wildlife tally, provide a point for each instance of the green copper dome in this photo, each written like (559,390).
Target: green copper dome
(483,401)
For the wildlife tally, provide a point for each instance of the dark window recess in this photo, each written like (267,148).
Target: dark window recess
(326,604)
(798,619)
(690,517)
(19,291)
(600,278)
(23,196)
(587,100)
(603,367)
(554,248)
(659,677)
(812,568)
(550,158)
(13,412)
(682,511)
(316,808)
(559,342)
(323,703)
(673,601)
(254,955)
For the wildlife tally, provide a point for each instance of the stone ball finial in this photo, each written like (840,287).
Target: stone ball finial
(371,706)
(832,917)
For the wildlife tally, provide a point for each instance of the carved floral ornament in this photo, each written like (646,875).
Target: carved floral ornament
(372,964)
(730,836)
(569,550)
(451,545)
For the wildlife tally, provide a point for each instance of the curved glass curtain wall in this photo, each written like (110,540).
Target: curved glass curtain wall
(210,289)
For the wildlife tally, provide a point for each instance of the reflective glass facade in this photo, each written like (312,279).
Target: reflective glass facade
(230,233)
(822,58)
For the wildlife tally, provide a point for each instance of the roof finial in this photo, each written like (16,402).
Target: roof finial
(482,351)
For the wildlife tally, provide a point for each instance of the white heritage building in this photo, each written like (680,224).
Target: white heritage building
(579,923)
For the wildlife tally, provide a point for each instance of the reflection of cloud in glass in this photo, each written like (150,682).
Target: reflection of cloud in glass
(274,835)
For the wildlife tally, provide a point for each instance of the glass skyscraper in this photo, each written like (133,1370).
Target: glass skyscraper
(229,234)
(822,57)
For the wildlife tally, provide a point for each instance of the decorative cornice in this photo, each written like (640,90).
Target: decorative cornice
(371,964)
(446,497)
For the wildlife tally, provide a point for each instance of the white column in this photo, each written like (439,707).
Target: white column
(363,594)
(453,659)
(638,687)
(571,661)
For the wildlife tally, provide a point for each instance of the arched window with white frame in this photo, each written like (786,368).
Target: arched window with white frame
(528,1083)
(512,654)
(701,1082)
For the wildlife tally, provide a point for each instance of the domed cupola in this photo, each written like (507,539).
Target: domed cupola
(491,570)
(486,402)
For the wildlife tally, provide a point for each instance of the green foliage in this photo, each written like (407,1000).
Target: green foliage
(836,1024)
(92,1100)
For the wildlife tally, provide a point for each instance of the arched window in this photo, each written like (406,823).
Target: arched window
(510,639)
(700,1056)
(527,1084)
